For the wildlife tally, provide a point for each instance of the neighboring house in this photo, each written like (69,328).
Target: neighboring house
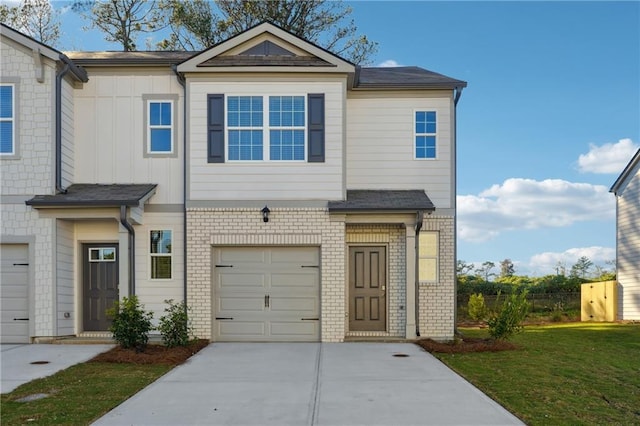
(286,193)
(627,191)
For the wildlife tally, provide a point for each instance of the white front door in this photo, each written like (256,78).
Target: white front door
(266,294)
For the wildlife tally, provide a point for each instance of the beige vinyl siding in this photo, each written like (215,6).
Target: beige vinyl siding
(65,231)
(380,144)
(110,122)
(68,141)
(263,180)
(629,249)
(153,293)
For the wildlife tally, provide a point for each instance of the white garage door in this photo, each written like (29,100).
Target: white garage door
(14,291)
(267,294)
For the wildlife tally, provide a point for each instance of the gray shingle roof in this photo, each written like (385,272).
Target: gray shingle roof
(93,195)
(404,76)
(377,200)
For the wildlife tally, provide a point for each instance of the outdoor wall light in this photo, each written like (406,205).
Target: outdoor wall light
(265,214)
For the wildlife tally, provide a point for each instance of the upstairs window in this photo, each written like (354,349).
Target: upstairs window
(244,121)
(265,128)
(160,127)
(7,119)
(161,254)
(425,134)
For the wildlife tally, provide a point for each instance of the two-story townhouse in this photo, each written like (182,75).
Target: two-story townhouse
(288,194)
(627,192)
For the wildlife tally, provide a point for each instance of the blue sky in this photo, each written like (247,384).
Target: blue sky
(550,117)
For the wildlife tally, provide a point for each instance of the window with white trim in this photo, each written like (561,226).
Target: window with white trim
(7,119)
(428,256)
(161,254)
(160,127)
(102,254)
(283,138)
(425,134)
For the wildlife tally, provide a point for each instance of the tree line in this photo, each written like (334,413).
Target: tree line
(482,279)
(197,24)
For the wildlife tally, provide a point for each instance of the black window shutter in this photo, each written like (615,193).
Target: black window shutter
(315,103)
(215,128)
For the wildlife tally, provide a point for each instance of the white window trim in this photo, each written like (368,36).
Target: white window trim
(157,98)
(169,255)
(415,134)
(266,129)
(101,255)
(13,82)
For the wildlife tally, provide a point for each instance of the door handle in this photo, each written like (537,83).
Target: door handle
(266,300)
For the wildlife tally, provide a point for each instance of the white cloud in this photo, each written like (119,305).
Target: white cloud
(608,158)
(389,63)
(530,204)
(547,262)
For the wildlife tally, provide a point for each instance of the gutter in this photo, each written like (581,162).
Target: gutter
(458,93)
(132,249)
(183,83)
(419,219)
(80,75)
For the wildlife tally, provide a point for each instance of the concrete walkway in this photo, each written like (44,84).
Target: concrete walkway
(310,384)
(24,363)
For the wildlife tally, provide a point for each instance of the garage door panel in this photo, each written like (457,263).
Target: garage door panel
(244,329)
(304,255)
(304,305)
(294,281)
(240,304)
(14,291)
(276,287)
(235,281)
(299,328)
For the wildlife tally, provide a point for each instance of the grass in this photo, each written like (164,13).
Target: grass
(563,374)
(79,394)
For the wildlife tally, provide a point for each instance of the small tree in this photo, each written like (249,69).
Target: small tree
(507,321)
(477,308)
(174,326)
(131,324)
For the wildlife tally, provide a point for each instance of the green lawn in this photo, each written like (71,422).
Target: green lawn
(564,374)
(78,395)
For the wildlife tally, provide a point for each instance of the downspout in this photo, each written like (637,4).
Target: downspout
(132,249)
(419,218)
(458,93)
(183,83)
(59,76)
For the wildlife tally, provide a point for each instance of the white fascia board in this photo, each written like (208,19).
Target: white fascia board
(29,43)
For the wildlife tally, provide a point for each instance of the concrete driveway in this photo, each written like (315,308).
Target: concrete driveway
(24,363)
(310,384)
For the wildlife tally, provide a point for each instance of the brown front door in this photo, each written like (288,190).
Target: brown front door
(367,289)
(100,284)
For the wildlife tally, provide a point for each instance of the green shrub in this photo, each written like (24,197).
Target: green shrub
(508,319)
(174,326)
(131,324)
(476,307)
(557,312)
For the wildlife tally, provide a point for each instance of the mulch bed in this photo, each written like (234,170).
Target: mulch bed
(466,345)
(153,354)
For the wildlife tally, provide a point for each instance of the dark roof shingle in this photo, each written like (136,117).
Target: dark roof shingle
(94,195)
(359,200)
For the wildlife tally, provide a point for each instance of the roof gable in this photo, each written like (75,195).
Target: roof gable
(632,169)
(29,42)
(268,48)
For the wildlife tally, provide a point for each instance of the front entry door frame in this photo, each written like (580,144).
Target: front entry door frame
(100,279)
(368,286)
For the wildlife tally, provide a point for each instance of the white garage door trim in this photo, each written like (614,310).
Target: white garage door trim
(14,293)
(266,294)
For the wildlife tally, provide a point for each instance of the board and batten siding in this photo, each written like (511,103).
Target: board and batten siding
(110,126)
(265,180)
(68,141)
(65,233)
(380,144)
(628,241)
